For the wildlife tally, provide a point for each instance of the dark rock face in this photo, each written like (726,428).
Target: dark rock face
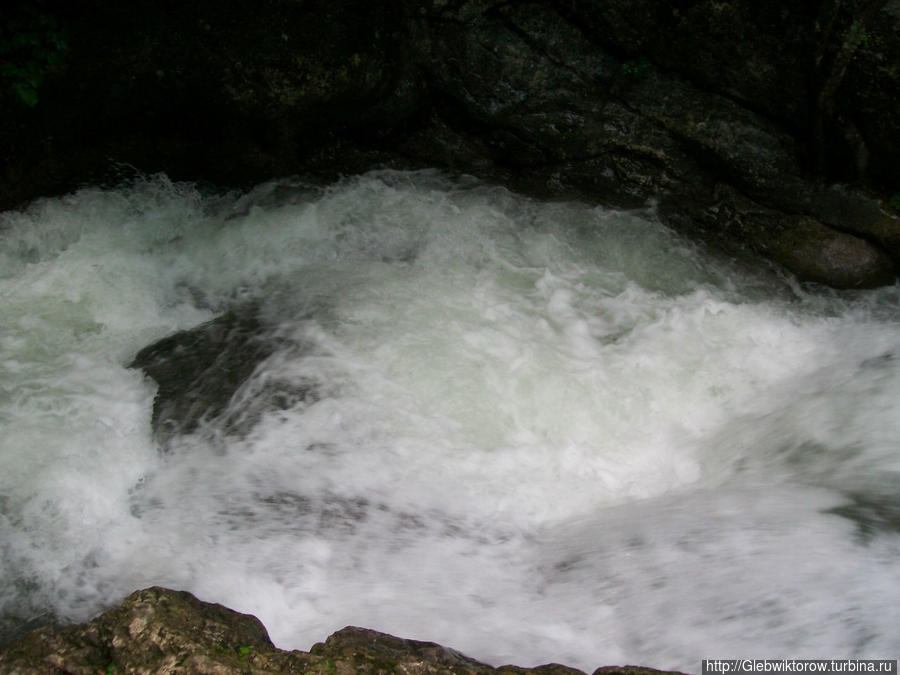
(157,630)
(200,370)
(734,115)
(588,102)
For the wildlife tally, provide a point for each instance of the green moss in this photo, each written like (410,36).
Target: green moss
(894,201)
(869,40)
(32,46)
(636,69)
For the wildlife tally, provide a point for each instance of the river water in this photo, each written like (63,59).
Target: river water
(540,431)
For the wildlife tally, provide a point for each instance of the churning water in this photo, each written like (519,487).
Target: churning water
(541,432)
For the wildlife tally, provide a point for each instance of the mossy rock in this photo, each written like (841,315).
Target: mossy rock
(157,630)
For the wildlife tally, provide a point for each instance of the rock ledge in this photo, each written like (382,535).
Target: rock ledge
(157,630)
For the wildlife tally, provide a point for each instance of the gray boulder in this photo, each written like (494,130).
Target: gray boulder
(199,371)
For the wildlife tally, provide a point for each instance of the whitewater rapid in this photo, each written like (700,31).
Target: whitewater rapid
(541,431)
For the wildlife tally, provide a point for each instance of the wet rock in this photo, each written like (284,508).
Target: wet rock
(549,107)
(604,103)
(811,249)
(157,630)
(154,630)
(200,370)
(872,513)
(815,252)
(858,213)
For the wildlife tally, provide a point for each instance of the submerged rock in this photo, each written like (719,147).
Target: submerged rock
(157,630)
(199,371)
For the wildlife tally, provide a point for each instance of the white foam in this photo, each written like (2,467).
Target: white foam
(541,431)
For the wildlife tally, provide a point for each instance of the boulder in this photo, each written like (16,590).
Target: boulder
(818,253)
(157,630)
(200,370)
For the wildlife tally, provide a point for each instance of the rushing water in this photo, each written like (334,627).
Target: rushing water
(541,432)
